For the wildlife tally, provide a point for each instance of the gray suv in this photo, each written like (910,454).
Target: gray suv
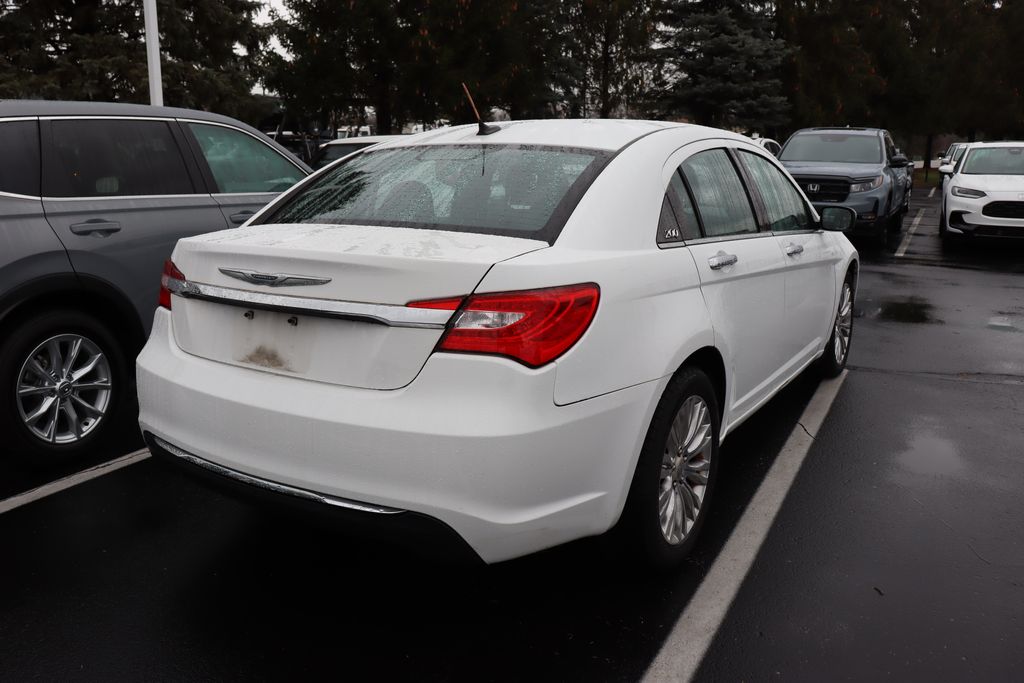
(93,197)
(859,168)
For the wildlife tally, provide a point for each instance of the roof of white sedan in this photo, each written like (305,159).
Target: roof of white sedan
(610,134)
(364,140)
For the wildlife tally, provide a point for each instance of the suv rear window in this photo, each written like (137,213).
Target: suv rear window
(514,190)
(838,147)
(19,157)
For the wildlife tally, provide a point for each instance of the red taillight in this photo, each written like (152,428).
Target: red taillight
(172,279)
(533,327)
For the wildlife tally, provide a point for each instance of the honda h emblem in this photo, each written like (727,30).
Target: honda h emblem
(813,187)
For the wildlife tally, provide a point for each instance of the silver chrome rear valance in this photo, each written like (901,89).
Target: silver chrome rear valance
(385,314)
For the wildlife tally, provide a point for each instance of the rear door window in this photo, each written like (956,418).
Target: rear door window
(719,193)
(114,157)
(241,163)
(19,157)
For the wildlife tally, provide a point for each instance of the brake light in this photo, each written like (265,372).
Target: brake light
(172,280)
(533,327)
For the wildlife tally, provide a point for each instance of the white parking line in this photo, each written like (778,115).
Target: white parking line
(931,194)
(686,645)
(910,233)
(72,480)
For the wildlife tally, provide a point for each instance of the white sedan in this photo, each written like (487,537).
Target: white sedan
(984,195)
(519,336)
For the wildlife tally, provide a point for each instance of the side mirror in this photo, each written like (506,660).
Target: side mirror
(946,169)
(899,161)
(838,218)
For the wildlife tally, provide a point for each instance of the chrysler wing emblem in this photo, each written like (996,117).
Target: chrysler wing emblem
(813,187)
(273,279)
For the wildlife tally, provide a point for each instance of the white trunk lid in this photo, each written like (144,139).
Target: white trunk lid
(363,265)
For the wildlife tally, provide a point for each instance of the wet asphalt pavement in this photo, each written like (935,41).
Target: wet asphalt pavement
(897,553)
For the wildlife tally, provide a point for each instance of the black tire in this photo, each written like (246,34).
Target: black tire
(896,222)
(18,343)
(640,529)
(881,235)
(828,364)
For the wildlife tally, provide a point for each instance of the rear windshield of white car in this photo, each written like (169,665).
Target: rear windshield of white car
(995,161)
(837,147)
(514,190)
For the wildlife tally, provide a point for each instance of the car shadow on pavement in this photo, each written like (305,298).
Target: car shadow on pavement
(18,476)
(288,598)
(143,571)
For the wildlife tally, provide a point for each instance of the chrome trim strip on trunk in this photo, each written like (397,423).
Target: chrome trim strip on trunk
(273,485)
(386,314)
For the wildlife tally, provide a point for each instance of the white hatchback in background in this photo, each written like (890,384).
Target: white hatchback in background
(984,195)
(521,337)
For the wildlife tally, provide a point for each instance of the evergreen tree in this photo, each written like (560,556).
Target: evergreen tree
(95,50)
(609,56)
(723,64)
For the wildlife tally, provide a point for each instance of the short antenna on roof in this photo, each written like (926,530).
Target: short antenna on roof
(484,129)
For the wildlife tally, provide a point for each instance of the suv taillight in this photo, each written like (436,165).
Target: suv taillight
(172,279)
(533,326)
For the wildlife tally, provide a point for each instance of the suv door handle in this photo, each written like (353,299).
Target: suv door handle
(722,260)
(241,217)
(96,226)
(794,249)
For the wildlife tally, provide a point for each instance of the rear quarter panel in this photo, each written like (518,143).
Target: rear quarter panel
(652,314)
(29,249)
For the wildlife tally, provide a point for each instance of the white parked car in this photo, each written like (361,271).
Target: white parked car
(772,146)
(333,150)
(984,195)
(519,337)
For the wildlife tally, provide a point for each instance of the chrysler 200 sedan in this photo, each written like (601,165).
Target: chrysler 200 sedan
(522,336)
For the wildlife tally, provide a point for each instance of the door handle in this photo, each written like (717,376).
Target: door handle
(722,260)
(794,249)
(96,226)
(241,217)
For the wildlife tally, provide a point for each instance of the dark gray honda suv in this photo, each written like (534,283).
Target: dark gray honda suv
(859,168)
(93,197)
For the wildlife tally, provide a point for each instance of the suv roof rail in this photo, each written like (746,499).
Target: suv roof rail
(843,128)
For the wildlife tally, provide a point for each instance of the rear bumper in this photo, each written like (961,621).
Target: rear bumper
(476,443)
(426,535)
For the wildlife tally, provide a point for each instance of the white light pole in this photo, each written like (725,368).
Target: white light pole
(156,86)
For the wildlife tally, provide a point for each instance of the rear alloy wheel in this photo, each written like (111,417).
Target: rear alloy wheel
(675,475)
(684,470)
(62,387)
(837,351)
